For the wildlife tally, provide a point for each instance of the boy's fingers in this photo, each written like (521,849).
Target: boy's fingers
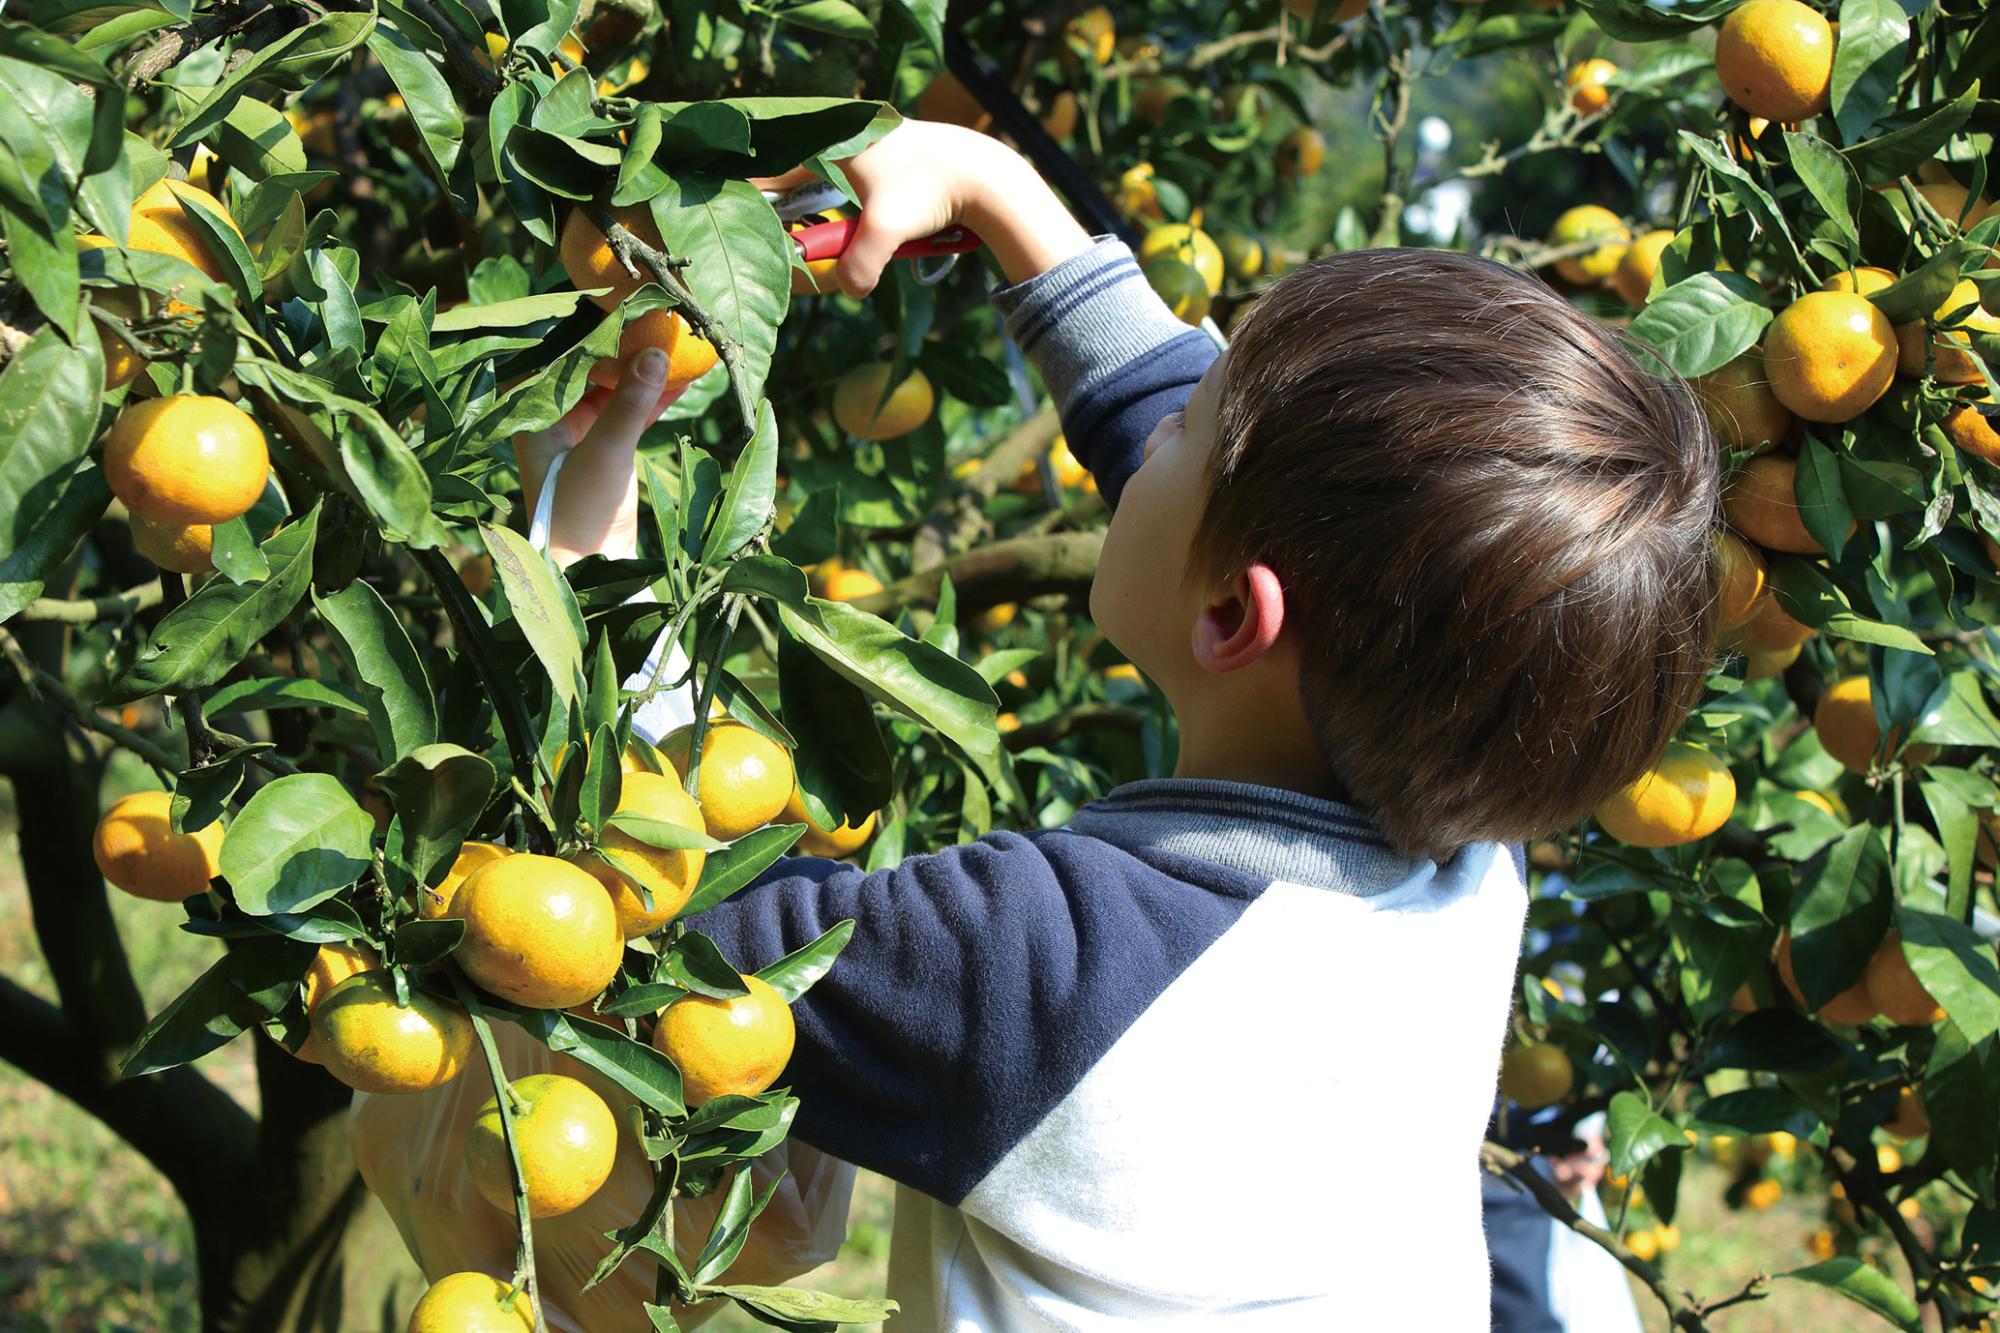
(632,406)
(874,245)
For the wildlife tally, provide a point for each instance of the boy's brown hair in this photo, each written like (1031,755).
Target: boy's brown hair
(1493,529)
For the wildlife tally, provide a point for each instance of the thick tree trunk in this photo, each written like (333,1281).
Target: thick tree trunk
(288,1239)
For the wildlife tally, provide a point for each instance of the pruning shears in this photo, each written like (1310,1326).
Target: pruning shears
(830,235)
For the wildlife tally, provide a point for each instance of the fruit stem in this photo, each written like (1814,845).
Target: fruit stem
(732,608)
(509,1104)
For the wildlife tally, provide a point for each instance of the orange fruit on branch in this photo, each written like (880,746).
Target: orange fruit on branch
(137,849)
(1850,1006)
(182,548)
(865,407)
(1949,353)
(538,931)
(186,459)
(735,1047)
(1535,1075)
(1586,223)
(1684,797)
(568,1140)
(689,355)
(1895,989)
(1589,90)
(433,903)
(1740,406)
(1740,581)
(472,1303)
(1845,721)
(1301,153)
(334,963)
(1762,504)
(1188,244)
(159,225)
(674,873)
(1830,354)
(372,1044)
(1633,278)
(1775,59)
(818,840)
(589,261)
(746,777)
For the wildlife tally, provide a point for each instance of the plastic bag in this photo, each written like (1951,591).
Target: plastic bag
(411,1150)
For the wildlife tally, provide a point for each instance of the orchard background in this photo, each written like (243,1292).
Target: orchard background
(1771,963)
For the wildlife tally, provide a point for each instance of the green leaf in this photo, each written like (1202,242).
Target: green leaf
(1829,179)
(1867,62)
(1900,151)
(257,140)
(750,499)
(49,394)
(226,246)
(739,263)
(1956,713)
(794,974)
(732,1226)
(1777,1041)
(1961,1083)
(800,1308)
(1841,914)
(1638,1133)
(261,693)
(1811,598)
(1957,967)
(1756,201)
(646,998)
(203,638)
(843,764)
(1702,323)
(603,777)
(914,678)
(1867,1287)
(694,964)
(522,312)
(200,794)
(660,833)
(1750,1111)
(299,841)
(739,863)
(837,17)
(1822,503)
(251,982)
(543,606)
(79,501)
(45,264)
(439,792)
(634,1066)
(429,98)
(392,676)
(421,943)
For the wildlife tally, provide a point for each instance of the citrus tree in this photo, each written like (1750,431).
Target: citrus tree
(283,284)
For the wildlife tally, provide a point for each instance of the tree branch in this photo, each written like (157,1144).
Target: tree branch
(89,610)
(1008,571)
(1682,1312)
(177,43)
(195,1133)
(47,688)
(962,519)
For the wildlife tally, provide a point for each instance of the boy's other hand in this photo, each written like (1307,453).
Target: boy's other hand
(596,508)
(922,177)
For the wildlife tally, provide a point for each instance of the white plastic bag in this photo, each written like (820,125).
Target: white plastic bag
(411,1151)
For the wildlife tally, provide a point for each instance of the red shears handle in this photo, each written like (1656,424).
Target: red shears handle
(829,240)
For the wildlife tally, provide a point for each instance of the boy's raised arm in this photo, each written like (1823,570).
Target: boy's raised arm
(1113,356)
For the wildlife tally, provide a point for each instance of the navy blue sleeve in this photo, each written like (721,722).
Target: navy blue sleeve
(1115,359)
(980,985)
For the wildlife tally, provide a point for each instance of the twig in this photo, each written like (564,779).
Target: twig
(1008,571)
(1682,1312)
(631,251)
(182,40)
(732,609)
(1863,1184)
(89,610)
(46,687)
(505,1098)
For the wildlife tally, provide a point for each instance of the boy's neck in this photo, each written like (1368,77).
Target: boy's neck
(1274,747)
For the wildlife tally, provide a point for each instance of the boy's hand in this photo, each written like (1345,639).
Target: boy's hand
(922,177)
(596,510)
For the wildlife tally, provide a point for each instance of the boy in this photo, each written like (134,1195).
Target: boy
(1422,564)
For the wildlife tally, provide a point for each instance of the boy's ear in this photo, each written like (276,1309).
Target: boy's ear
(1241,622)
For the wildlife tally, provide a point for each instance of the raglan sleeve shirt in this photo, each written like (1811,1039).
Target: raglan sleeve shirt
(915,1035)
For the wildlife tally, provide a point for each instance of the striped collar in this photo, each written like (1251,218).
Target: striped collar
(1265,831)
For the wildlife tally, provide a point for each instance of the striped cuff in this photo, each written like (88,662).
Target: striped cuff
(1086,318)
